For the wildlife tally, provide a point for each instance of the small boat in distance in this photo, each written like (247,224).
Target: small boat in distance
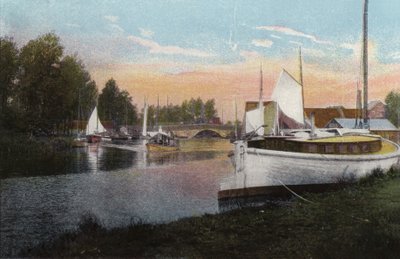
(161,142)
(94,128)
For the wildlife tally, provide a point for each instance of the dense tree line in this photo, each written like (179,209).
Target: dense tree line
(393,107)
(43,92)
(192,111)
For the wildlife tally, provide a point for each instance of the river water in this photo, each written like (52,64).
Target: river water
(116,183)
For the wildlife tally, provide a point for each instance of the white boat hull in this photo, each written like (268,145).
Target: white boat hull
(260,167)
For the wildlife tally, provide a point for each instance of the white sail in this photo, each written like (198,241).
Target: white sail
(254,121)
(288,94)
(144,130)
(94,125)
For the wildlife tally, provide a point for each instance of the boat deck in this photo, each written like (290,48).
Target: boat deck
(345,145)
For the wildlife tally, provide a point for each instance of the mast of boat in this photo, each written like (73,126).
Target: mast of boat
(79,113)
(301,82)
(260,98)
(158,110)
(365,64)
(222,114)
(236,121)
(97,120)
(144,129)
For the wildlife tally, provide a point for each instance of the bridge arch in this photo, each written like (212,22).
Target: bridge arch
(207,133)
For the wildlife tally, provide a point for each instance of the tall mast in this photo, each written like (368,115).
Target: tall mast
(301,81)
(260,98)
(158,110)
(144,128)
(79,112)
(222,114)
(236,121)
(365,63)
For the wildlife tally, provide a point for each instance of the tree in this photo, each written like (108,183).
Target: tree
(116,105)
(393,107)
(40,63)
(210,111)
(78,93)
(8,74)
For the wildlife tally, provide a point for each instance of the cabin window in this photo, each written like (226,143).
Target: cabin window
(364,148)
(342,149)
(353,148)
(329,149)
(313,148)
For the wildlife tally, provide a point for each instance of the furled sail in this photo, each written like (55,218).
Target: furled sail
(94,125)
(288,94)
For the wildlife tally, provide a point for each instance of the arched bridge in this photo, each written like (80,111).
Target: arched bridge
(197,130)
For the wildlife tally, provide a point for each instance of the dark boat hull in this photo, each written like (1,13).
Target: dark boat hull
(93,138)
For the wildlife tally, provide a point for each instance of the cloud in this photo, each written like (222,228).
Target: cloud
(395,55)
(117,27)
(296,42)
(249,54)
(74,25)
(111,18)
(156,48)
(275,36)
(262,43)
(292,32)
(313,52)
(146,33)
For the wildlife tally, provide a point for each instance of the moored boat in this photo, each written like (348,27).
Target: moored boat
(94,128)
(162,142)
(300,157)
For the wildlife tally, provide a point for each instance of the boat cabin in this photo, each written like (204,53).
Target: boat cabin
(349,144)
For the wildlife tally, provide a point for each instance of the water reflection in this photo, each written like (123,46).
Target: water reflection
(115,184)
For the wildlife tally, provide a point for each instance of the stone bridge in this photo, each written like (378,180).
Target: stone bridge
(196,130)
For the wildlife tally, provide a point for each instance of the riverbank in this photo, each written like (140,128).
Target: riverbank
(357,221)
(20,150)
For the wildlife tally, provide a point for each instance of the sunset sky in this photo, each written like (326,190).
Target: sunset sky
(213,48)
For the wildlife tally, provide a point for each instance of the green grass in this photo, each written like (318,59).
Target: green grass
(360,221)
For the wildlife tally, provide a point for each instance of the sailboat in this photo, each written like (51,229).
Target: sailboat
(157,141)
(303,158)
(94,127)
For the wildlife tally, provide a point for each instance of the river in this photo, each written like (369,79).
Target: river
(116,183)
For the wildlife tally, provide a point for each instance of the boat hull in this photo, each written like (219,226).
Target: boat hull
(262,168)
(160,148)
(93,138)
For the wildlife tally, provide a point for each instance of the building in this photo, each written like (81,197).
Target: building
(376,110)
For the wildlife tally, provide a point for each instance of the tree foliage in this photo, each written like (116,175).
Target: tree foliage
(116,105)
(8,74)
(42,89)
(393,107)
(190,111)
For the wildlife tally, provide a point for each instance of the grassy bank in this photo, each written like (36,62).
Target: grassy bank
(18,144)
(19,151)
(361,221)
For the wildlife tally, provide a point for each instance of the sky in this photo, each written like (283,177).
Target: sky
(179,49)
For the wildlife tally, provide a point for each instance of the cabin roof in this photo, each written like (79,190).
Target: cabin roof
(375,124)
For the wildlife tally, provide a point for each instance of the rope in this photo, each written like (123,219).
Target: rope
(306,200)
